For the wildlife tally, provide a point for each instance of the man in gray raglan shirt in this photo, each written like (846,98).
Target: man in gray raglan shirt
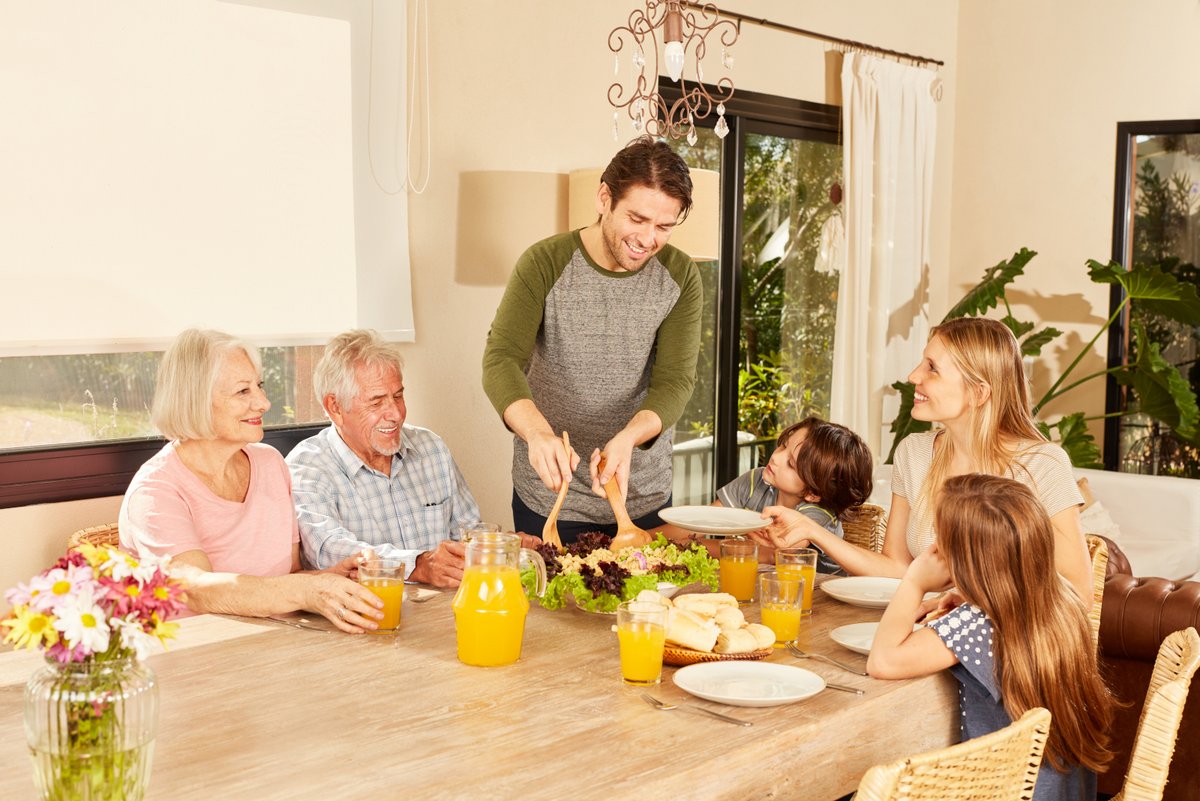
(597,335)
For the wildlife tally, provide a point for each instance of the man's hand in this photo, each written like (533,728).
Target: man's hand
(441,567)
(529,541)
(617,455)
(551,460)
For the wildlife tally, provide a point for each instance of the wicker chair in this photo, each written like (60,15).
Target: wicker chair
(1098,551)
(1178,657)
(1002,766)
(106,536)
(867,527)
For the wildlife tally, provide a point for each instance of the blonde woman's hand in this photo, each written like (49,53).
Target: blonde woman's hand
(345,603)
(788,528)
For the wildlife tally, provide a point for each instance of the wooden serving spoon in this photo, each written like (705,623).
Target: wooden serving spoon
(550,530)
(628,535)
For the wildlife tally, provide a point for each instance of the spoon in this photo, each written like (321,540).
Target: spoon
(550,530)
(628,535)
(657,704)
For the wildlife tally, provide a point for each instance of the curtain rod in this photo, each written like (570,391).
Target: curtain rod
(779,26)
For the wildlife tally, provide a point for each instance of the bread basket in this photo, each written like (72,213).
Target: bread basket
(678,655)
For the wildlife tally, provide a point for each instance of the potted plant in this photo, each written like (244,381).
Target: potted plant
(1160,389)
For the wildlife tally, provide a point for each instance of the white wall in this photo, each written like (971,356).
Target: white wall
(1042,87)
(522,86)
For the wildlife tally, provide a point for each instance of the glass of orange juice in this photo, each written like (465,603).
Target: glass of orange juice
(739,569)
(641,634)
(780,601)
(385,578)
(795,564)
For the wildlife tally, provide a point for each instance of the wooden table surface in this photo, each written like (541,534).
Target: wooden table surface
(260,710)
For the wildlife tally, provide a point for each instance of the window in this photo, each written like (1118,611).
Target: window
(767,346)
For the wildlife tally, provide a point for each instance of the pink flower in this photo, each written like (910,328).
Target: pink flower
(60,585)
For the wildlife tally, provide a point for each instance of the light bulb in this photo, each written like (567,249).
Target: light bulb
(674,57)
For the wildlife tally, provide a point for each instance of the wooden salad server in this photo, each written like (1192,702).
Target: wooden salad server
(628,535)
(550,530)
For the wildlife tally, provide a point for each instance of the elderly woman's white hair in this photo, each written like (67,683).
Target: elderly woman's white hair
(334,373)
(182,407)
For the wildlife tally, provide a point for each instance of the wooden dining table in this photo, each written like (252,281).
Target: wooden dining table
(258,709)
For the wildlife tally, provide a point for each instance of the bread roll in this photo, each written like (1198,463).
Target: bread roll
(651,596)
(690,630)
(739,641)
(763,636)
(730,617)
(699,607)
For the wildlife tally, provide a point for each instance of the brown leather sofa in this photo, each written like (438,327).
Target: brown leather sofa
(1138,613)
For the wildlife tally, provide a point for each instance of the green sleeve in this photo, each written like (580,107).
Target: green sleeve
(518,319)
(678,344)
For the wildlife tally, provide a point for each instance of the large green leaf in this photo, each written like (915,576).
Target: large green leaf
(904,424)
(1163,392)
(1076,440)
(990,289)
(1033,344)
(1155,291)
(1018,328)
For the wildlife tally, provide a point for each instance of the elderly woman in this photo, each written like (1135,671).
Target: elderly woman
(971,381)
(218,501)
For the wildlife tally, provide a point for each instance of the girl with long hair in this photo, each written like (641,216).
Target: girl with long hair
(1019,639)
(971,383)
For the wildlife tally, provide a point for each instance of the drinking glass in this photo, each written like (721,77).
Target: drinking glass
(385,578)
(467,531)
(796,564)
(780,602)
(739,569)
(641,633)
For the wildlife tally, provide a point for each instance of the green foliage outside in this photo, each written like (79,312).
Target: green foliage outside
(1159,388)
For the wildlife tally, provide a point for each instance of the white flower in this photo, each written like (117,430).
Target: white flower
(119,565)
(133,636)
(83,623)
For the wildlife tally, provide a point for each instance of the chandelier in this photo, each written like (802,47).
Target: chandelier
(686,28)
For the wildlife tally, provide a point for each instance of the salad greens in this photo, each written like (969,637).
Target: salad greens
(598,579)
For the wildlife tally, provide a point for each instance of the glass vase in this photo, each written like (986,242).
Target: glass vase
(90,728)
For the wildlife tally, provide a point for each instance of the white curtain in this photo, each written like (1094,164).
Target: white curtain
(889,123)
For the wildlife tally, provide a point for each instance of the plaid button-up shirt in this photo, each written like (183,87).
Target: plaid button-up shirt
(344,506)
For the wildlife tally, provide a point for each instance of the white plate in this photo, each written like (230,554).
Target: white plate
(873,592)
(748,683)
(858,637)
(721,521)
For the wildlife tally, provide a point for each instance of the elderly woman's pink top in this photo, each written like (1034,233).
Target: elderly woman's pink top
(167,510)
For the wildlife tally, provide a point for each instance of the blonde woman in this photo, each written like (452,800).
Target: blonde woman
(971,382)
(1018,639)
(219,502)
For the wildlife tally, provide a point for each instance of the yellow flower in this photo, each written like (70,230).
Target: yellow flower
(162,629)
(94,555)
(29,628)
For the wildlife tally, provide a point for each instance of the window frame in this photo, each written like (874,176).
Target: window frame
(746,112)
(96,470)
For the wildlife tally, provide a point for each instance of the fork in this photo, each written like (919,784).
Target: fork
(657,704)
(796,652)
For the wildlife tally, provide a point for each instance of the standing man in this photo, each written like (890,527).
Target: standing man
(597,335)
(370,480)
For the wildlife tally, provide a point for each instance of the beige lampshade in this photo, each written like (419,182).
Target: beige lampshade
(500,214)
(700,234)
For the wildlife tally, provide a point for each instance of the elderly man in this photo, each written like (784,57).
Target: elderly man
(370,480)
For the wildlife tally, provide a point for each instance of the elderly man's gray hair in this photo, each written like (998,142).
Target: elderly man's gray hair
(334,374)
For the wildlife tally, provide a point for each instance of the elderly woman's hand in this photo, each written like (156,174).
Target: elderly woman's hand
(348,605)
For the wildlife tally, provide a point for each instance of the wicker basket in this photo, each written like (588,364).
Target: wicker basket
(106,536)
(679,656)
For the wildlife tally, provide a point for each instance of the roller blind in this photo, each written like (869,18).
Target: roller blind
(168,163)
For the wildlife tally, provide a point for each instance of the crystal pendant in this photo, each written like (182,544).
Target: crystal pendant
(699,72)
(721,128)
(616,64)
(727,58)
(692,137)
(720,109)
(639,59)
(616,129)
(637,123)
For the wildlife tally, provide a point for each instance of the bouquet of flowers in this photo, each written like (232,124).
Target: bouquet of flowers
(90,711)
(95,604)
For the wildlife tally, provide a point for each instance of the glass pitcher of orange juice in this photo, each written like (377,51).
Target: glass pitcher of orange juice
(490,606)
